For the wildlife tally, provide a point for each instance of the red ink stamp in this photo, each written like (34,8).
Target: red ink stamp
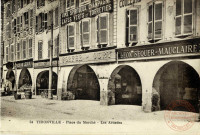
(180,120)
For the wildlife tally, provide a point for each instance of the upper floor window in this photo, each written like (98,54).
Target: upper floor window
(71,36)
(102,30)
(70,3)
(85,32)
(56,47)
(8,10)
(26,19)
(6,54)
(40,3)
(155,20)
(13,6)
(24,49)
(40,46)
(56,17)
(12,52)
(18,51)
(184,17)
(132,26)
(30,48)
(31,18)
(41,22)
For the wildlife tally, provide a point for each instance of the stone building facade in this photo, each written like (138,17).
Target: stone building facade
(137,52)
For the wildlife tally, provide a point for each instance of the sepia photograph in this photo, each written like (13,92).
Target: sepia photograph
(100,67)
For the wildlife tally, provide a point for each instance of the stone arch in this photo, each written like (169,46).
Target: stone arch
(83,83)
(24,78)
(42,82)
(176,80)
(10,77)
(124,86)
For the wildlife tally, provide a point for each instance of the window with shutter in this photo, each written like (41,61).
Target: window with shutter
(132,26)
(45,20)
(24,49)
(12,52)
(40,50)
(71,36)
(184,17)
(30,48)
(56,45)
(15,25)
(31,18)
(70,3)
(6,54)
(26,19)
(18,51)
(102,29)
(18,24)
(85,33)
(155,20)
(13,6)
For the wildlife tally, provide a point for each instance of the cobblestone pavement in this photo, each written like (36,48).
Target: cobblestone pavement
(31,115)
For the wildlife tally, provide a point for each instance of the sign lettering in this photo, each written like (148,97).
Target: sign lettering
(28,64)
(138,52)
(90,57)
(124,3)
(89,10)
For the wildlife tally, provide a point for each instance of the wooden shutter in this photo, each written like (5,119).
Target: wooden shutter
(81,38)
(86,32)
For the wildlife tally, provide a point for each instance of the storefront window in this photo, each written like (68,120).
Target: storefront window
(155,19)
(183,18)
(85,32)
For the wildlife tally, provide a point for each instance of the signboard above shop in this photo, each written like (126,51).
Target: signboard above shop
(164,50)
(89,10)
(89,57)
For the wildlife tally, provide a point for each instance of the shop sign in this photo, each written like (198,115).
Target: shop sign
(45,64)
(90,57)
(89,10)
(157,50)
(27,64)
(124,3)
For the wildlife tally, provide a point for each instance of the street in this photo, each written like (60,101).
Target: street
(32,115)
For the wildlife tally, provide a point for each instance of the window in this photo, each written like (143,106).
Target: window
(56,17)
(12,52)
(41,22)
(14,24)
(132,26)
(40,49)
(26,19)
(50,14)
(8,10)
(18,51)
(184,17)
(30,48)
(6,54)
(102,29)
(8,30)
(71,36)
(49,47)
(13,6)
(31,18)
(70,3)
(44,21)
(21,3)
(155,19)
(24,49)
(56,47)
(40,3)
(85,33)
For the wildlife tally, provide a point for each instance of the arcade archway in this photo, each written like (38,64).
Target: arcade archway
(25,79)
(10,79)
(125,83)
(83,83)
(42,82)
(177,81)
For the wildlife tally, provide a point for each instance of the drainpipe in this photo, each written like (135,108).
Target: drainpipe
(15,63)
